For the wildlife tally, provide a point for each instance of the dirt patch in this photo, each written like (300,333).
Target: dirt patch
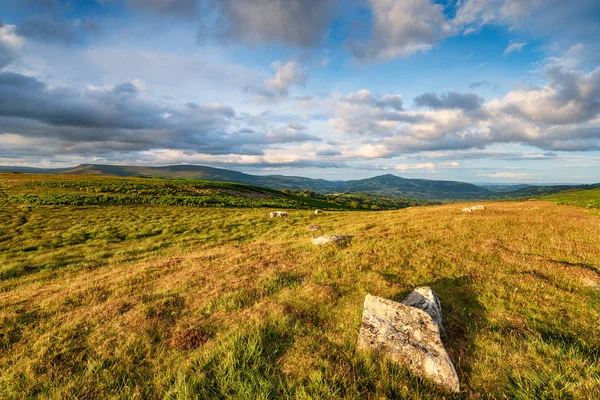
(189,338)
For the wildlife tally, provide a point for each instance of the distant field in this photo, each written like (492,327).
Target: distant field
(78,190)
(581,198)
(155,301)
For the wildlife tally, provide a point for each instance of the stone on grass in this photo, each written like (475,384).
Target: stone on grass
(337,239)
(424,298)
(473,208)
(407,335)
(314,227)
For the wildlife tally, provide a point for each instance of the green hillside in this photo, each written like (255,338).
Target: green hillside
(582,198)
(75,189)
(385,185)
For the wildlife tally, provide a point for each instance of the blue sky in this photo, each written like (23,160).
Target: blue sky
(471,90)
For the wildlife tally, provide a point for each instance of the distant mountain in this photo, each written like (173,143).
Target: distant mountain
(503,187)
(391,185)
(384,185)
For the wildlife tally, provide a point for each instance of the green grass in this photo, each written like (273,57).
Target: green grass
(31,189)
(581,198)
(155,301)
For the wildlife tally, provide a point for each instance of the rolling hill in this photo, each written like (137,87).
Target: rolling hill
(384,185)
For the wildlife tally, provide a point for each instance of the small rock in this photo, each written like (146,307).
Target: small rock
(409,336)
(338,239)
(424,298)
(314,227)
(473,208)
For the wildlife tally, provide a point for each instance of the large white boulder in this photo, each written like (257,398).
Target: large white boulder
(407,335)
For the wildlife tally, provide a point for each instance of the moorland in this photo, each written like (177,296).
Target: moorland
(163,288)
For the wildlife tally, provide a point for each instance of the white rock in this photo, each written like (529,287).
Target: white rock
(424,298)
(409,336)
(338,239)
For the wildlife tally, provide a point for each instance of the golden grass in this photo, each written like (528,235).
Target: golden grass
(154,302)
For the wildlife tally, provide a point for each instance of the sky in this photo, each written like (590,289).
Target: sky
(504,91)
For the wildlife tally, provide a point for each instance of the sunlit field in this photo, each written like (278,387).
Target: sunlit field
(156,301)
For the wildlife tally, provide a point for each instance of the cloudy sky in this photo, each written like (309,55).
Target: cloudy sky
(471,90)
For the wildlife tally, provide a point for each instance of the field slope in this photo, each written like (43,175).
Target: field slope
(155,301)
(581,198)
(36,189)
(386,185)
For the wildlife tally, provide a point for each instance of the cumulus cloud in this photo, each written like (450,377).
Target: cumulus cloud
(463,101)
(562,115)
(401,28)
(537,17)
(568,97)
(428,166)
(286,75)
(301,23)
(10,43)
(366,113)
(404,27)
(408,167)
(63,120)
(514,47)
(511,175)
(48,29)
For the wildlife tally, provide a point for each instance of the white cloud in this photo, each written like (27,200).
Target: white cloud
(511,175)
(426,166)
(401,28)
(408,167)
(563,114)
(515,46)
(10,44)
(9,37)
(300,23)
(286,75)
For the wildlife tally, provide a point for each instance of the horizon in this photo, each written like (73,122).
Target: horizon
(477,183)
(495,92)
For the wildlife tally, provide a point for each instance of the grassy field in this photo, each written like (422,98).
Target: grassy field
(36,189)
(155,301)
(581,198)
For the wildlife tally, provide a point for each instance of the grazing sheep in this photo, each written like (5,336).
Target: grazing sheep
(317,212)
(278,214)
(473,208)
(337,239)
